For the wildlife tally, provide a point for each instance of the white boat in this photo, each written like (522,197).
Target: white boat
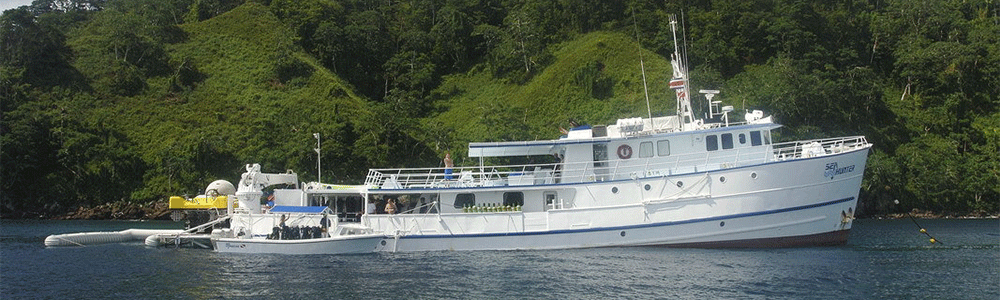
(292,225)
(671,181)
(343,242)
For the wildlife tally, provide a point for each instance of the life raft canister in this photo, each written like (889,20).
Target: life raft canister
(624,151)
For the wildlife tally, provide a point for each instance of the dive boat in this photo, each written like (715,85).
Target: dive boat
(673,181)
(305,220)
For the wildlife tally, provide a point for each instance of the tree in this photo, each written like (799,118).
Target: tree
(32,52)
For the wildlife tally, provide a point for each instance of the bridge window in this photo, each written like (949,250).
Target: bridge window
(513,199)
(646,149)
(463,200)
(712,142)
(727,141)
(663,147)
(755,138)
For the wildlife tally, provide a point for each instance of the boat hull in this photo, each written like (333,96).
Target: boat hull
(354,244)
(781,204)
(810,226)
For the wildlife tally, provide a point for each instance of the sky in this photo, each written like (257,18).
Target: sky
(8,4)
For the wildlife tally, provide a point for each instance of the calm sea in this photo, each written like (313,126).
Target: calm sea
(883,259)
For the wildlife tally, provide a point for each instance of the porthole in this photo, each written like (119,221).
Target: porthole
(722,179)
(383,242)
(623,234)
(753,175)
(614,190)
(723,223)
(680,184)
(647,187)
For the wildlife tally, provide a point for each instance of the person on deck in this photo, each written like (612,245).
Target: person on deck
(370,207)
(448,165)
(390,207)
(324,223)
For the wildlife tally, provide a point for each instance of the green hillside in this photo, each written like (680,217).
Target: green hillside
(595,78)
(260,98)
(134,101)
(235,89)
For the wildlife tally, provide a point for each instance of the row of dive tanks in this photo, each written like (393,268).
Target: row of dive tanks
(296,232)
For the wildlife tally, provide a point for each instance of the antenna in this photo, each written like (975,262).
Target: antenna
(684,39)
(319,170)
(709,94)
(684,55)
(642,66)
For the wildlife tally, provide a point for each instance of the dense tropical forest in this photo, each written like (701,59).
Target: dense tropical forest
(136,100)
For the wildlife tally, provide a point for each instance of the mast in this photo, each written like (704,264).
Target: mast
(679,82)
(642,66)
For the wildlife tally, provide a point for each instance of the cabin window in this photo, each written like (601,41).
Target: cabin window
(599,131)
(767,138)
(513,199)
(317,201)
(755,138)
(464,200)
(550,201)
(743,139)
(663,147)
(712,142)
(645,149)
(600,155)
(727,141)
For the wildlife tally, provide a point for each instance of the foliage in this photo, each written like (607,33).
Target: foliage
(138,100)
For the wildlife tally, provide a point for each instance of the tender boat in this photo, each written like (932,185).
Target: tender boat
(672,181)
(347,240)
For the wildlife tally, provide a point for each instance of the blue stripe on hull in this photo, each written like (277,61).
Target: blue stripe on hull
(661,224)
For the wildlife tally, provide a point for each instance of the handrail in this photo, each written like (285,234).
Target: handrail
(428,204)
(202,226)
(480,176)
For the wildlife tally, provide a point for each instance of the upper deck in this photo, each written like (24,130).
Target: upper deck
(646,163)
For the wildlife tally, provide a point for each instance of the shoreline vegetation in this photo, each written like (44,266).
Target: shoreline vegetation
(132,101)
(921,214)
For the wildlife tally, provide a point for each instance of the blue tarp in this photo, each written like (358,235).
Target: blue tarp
(299,209)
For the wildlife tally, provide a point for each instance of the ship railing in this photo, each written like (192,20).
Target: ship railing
(458,176)
(554,173)
(817,147)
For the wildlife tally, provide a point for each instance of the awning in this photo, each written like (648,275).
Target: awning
(499,149)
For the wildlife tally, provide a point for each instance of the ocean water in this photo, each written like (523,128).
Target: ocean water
(883,259)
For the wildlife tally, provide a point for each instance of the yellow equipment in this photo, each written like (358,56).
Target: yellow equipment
(200,202)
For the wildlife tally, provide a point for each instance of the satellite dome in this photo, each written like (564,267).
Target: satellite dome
(220,188)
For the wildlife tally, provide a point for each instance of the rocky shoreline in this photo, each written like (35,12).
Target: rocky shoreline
(925,214)
(120,210)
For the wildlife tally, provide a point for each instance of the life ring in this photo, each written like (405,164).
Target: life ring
(624,151)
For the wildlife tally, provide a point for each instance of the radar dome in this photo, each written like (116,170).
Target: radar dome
(220,188)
